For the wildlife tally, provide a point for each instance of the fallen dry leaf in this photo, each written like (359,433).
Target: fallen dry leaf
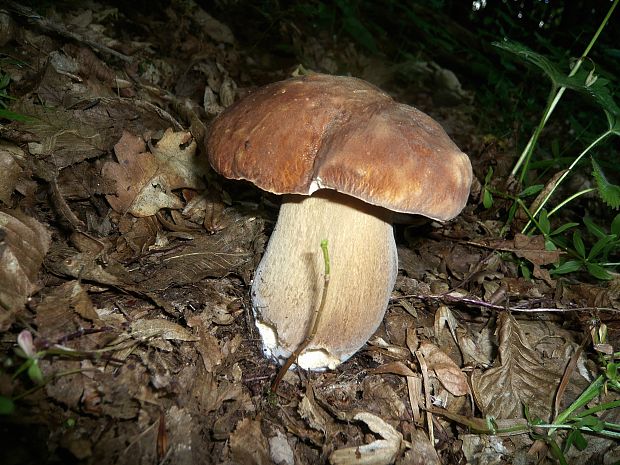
(422,451)
(66,309)
(316,417)
(63,136)
(381,397)
(11,159)
(180,423)
(380,452)
(145,181)
(168,330)
(280,450)
(532,248)
(217,30)
(446,371)
(520,379)
(476,349)
(208,255)
(444,316)
(23,245)
(248,445)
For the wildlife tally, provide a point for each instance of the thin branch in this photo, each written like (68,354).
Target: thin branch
(455,298)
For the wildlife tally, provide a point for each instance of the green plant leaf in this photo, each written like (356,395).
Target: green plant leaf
(489,175)
(34,372)
(610,193)
(550,245)
(525,271)
(615,225)
(594,228)
(563,228)
(584,81)
(535,189)
(11,115)
(543,222)
(4,80)
(600,246)
(487,199)
(569,266)
(598,271)
(7,406)
(592,422)
(576,438)
(550,69)
(580,247)
(354,26)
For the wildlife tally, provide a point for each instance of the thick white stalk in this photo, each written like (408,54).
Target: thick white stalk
(288,282)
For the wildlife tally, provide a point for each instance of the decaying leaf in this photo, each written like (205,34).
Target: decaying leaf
(383,398)
(180,425)
(217,30)
(380,452)
(476,349)
(10,157)
(443,316)
(209,349)
(316,417)
(168,330)
(23,245)
(396,368)
(211,394)
(532,248)
(422,451)
(64,310)
(63,134)
(280,450)
(519,379)
(248,445)
(484,450)
(447,372)
(145,181)
(208,255)
(63,260)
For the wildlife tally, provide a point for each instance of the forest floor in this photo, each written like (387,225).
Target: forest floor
(129,338)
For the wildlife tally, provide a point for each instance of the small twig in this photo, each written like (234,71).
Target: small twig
(568,371)
(314,326)
(64,209)
(427,395)
(452,298)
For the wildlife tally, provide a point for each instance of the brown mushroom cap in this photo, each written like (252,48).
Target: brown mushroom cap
(320,131)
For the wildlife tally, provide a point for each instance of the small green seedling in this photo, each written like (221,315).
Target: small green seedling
(316,317)
(27,351)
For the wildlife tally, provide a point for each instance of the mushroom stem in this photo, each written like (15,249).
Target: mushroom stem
(288,282)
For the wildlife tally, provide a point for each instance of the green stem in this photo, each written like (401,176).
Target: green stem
(598,408)
(524,159)
(570,199)
(566,173)
(314,325)
(529,148)
(586,396)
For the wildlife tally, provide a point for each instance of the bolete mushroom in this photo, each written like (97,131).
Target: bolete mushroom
(345,156)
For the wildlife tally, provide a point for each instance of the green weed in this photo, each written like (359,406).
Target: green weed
(592,256)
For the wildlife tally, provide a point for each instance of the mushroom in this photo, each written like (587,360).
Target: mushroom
(345,156)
